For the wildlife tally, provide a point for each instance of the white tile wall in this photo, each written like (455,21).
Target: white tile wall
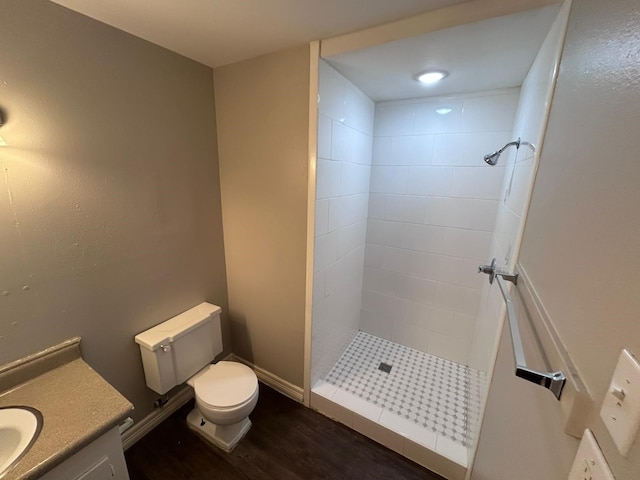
(324,136)
(351,238)
(477,182)
(381,232)
(489,113)
(429,122)
(354,179)
(412,187)
(411,150)
(475,243)
(418,290)
(322,217)
(345,129)
(386,179)
(423,238)
(467,149)
(431,181)
(475,214)
(326,251)
(328,178)
(373,255)
(432,210)
(347,210)
(401,208)
(533,107)
(393,119)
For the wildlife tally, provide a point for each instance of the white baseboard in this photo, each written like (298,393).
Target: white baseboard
(278,384)
(151,421)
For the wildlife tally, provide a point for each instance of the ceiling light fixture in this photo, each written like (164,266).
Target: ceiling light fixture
(443,111)
(431,76)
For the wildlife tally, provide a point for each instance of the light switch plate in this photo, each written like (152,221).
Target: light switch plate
(621,406)
(590,463)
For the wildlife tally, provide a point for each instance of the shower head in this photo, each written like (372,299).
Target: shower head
(492,158)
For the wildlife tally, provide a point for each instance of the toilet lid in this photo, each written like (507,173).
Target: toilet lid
(226,384)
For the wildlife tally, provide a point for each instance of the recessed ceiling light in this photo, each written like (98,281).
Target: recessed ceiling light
(431,76)
(443,111)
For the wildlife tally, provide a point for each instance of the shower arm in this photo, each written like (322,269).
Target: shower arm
(528,144)
(553,381)
(515,143)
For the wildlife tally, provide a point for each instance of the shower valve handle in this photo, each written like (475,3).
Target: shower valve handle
(485,269)
(492,270)
(489,270)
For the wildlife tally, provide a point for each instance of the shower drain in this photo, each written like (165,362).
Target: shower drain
(385,367)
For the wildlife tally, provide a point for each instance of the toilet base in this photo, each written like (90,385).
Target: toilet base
(225,437)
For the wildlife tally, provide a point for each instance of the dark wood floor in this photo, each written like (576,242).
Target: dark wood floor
(286,441)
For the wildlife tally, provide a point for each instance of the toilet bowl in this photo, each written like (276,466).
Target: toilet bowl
(180,350)
(226,393)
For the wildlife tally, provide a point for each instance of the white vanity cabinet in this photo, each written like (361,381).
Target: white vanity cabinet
(102,459)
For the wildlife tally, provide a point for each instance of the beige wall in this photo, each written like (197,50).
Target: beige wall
(263,119)
(580,244)
(109,207)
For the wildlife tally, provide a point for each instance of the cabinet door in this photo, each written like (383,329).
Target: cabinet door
(102,459)
(103,470)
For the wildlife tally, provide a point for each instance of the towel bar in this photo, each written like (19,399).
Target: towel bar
(553,381)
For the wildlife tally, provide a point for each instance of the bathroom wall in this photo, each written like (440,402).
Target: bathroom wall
(580,245)
(345,132)
(432,211)
(110,208)
(262,110)
(521,165)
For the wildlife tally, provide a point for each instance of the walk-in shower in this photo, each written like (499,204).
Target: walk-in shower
(406,209)
(405,213)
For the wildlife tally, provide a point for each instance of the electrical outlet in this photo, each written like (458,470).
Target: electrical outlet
(621,406)
(590,463)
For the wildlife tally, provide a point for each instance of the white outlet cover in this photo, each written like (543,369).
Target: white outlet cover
(620,410)
(590,463)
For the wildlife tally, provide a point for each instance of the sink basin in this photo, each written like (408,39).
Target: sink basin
(19,429)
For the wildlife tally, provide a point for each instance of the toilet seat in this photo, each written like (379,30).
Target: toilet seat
(226,386)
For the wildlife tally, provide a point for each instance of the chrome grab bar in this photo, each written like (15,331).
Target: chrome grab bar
(553,381)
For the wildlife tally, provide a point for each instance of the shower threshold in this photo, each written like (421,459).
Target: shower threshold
(424,407)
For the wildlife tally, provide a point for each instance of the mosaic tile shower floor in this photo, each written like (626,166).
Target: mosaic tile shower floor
(438,395)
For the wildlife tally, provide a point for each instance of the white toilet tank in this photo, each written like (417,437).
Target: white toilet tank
(176,349)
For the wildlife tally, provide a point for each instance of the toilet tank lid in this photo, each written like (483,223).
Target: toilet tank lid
(175,327)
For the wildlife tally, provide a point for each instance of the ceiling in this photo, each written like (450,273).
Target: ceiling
(218,32)
(486,55)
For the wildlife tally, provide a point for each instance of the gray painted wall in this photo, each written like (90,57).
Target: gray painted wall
(263,128)
(580,246)
(110,218)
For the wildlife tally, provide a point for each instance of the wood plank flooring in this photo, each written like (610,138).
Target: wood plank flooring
(286,441)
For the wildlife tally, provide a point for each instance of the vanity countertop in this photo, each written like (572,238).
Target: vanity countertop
(77,406)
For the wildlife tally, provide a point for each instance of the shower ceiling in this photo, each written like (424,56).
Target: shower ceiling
(489,54)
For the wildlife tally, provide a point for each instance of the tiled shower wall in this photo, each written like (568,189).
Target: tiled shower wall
(530,124)
(345,130)
(432,210)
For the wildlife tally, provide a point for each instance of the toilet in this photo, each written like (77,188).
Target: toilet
(181,350)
